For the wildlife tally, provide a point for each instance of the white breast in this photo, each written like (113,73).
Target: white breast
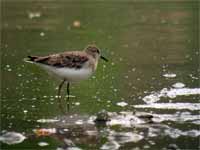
(70,74)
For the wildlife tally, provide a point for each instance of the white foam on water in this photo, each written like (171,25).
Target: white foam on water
(196,122)
(176,106)
(175,133)
(181,118)
(170,93)
(171,132)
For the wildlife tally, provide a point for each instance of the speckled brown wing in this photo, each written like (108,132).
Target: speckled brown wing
(70,60)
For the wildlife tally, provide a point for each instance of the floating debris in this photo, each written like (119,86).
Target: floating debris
(169,75)
(42,144)
(122,104)
(44,132)
(12,138)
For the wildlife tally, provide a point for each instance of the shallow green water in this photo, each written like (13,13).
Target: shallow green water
(151,46)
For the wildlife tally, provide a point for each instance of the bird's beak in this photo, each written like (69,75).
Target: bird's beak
(105,59)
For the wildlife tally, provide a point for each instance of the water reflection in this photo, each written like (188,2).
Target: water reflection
(74,130)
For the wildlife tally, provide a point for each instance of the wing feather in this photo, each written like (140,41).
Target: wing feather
(67,59)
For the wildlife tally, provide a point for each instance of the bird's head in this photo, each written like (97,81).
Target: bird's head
(95,52)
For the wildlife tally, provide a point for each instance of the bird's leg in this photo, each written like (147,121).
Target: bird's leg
(68,96)
(59,95)
(60,87)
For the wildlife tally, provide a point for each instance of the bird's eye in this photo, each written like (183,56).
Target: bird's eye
(93,49)
(98,51)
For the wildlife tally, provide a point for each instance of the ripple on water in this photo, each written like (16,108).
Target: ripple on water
(116,138)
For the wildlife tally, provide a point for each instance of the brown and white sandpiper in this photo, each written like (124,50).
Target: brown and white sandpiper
(70,66)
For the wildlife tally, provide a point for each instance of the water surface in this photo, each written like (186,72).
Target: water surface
(153,48)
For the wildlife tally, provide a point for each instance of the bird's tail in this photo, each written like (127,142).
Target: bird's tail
(30,59)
